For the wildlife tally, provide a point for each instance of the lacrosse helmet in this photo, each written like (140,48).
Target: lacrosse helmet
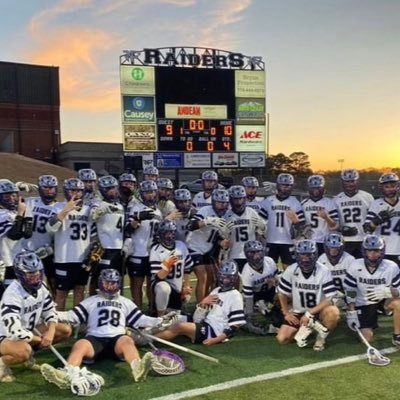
(390,185)
(255,253)
(165,188)
(109,283)
(183,200)
(150,173)
(284,185)
(227,275)
(334,247)
(89,178)
(47,186)
(167,232)
(108,186)
(373,250)
(316,187)
(350,180)
(251,185)
(9,194)
(127,184)
(220,201)
(237,198)
(209,181)
(148,192)
(28,269)
(306,253)
(73,186)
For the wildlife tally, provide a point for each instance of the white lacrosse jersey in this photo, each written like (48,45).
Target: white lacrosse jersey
(338,271)
(71,241)
(275,211)
(319,226)
(18,307)
(244,229)
(200,200)
(390,230)
(40,213)
(166,207)
(305,292)
(255,203)
(143,235)
(108,317)
(202,240)
(8,247)
(360,279)
(255,281)
(352,211)
(227,312)
(184,265)
(110,226)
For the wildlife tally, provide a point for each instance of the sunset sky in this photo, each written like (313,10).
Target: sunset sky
(333,66)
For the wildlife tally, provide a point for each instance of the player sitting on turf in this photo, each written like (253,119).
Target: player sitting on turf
(309,287)
(25,303)
(107,315)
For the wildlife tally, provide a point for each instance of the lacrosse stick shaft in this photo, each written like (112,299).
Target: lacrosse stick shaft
(53,349)
(362,337)
(178,347)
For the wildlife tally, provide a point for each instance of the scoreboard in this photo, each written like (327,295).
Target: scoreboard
(192,100)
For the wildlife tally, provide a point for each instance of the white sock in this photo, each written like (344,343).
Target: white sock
(134,362)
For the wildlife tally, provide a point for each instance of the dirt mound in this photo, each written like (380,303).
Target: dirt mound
(19,168)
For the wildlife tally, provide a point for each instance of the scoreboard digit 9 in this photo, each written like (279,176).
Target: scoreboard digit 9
(195,135)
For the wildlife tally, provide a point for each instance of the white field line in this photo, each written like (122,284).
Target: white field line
(268,376)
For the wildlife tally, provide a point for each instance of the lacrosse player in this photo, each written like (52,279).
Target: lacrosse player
(218,316)
(259,282)
(71,227)
(306,290)
(285,220)
(251,185)
(369,280)
(109,217)
(14,225)
(142,224)
(185,211)
(383,217)
(210,182)
(150,173)
(319,211)
(89,178)
(243,224)
(165,196)
(41,209)
(106,315)
(338,262)
(27,304)
(171,265)
(128,191)
(352,205)
(206,229)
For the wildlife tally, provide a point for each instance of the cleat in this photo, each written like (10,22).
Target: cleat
(143,367)
(319,344)
(396,340)
(6,375)
(58,377)
(272,330)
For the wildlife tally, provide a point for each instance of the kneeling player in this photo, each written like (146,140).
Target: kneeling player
(309,286)
(218,316)
(107,315)
(25,302)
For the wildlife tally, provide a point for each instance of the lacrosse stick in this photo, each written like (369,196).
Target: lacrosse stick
(166,362)
(373,354)
(178,347)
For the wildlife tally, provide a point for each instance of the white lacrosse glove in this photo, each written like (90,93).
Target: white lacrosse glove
(311,319)
(302,334)
(218,223)
(378,293)
(94,379)
(26,187)
(352,319)
(169,319)
(79,384)
(259,223)
(128,247)
(199,314)
(44,251)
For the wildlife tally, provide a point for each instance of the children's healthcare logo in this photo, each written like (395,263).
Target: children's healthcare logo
(137,74)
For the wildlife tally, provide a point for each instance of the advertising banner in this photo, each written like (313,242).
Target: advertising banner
(139,137)
(225,160)
(250,84)
(195,111)
(197,160)
(137,80)
(250,111)
(250,138)
(138,109)
(169,160)
(252,160)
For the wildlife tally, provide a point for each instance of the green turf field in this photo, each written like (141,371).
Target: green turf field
(244,356)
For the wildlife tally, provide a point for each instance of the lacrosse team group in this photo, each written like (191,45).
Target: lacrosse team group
(269,266)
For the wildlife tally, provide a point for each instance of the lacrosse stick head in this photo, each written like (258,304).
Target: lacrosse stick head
(376,358)
(167,363)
